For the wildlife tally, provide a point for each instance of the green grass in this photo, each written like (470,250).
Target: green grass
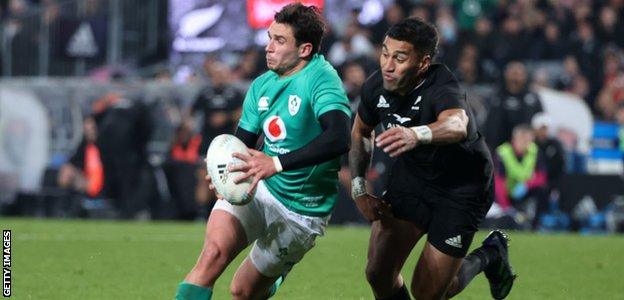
(119,260)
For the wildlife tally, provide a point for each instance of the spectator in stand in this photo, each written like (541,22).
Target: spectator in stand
(586,49)
(468,74)
(220,104)
(448,32)
(392,15)
(469,11)
(511,42)
(180,170)
(612,92)
(551,150)
(512,105)
(570,71)
(559,13)
(250,65)
(353,45)
(608,29)
(124,129)
(467,70)
(483,37)
(421,12)
(520,175)
(353,75)
(553,46)
(84,173)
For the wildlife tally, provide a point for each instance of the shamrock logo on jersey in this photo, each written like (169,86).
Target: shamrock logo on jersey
(294,102)
(274,129)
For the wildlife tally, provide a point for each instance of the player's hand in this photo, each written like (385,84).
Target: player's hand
(373,208)
(257,165)
(212,187)
(397,140)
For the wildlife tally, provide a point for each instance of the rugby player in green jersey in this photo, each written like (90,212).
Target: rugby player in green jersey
(302,112)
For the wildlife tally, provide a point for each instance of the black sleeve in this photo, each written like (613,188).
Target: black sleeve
(248,138)
(332,142)
(448,96)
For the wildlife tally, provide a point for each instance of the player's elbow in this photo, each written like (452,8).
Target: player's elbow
(342,143)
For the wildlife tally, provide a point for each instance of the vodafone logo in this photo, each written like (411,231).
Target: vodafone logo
(274,129)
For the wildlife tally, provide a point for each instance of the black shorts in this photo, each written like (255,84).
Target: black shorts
(449,221)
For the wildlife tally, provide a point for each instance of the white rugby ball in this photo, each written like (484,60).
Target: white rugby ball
(218,160)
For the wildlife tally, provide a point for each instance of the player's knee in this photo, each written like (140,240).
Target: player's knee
(374,276)
(239,291)
(212,257)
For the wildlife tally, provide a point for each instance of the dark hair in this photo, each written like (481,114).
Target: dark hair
(306,22)
(521,128)
(422,35)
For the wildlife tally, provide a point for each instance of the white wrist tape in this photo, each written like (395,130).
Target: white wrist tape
(277,163)
(358,187)
(423,133)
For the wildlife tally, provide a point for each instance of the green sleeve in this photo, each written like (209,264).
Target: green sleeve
(328,94)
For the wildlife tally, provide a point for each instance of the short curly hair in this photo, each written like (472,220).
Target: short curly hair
(422,35)
(306,21)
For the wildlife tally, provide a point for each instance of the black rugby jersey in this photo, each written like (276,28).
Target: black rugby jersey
(459,169)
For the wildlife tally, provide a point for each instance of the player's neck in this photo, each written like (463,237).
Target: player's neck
(298,67)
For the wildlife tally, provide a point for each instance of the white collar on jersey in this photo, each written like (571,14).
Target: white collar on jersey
(420,84)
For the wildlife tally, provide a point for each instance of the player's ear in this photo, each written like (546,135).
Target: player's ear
(425,63)
(305,50)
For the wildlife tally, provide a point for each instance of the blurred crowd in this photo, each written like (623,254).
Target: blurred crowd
(503,52)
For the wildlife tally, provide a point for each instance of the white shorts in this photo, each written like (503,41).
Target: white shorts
(282,237)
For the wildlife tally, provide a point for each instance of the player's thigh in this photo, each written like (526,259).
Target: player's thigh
(225,230)
(283,245)
(434,272)
(224,239)
(249,283)
(287,236)
(453,227)
(390,244)
(232,226)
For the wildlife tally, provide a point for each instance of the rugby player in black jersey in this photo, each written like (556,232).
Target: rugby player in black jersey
(440,179)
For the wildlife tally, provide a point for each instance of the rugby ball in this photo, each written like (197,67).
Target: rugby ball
(218,160)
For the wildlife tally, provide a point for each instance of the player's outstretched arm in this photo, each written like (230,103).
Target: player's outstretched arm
(370,207)
(451,127)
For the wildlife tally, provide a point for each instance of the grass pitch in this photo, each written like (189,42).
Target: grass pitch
(76,259)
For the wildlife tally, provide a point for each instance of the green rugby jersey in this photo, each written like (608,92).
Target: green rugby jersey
(287,110)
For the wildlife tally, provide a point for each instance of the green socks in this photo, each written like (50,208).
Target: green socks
(275,286)
(189,291)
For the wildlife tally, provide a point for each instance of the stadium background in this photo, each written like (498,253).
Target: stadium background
(155,74)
